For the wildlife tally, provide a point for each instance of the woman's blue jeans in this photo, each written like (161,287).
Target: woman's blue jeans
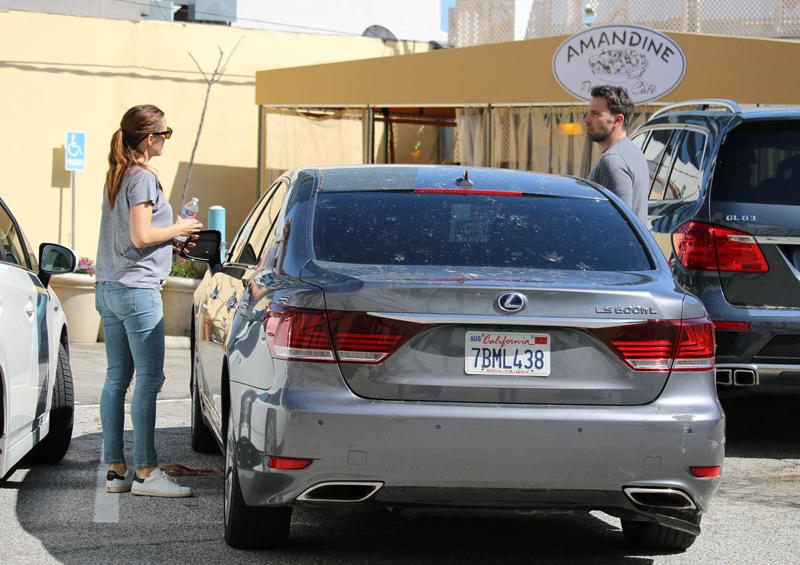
(133,322)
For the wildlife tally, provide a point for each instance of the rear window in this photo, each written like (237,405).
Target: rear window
(760,163)
(406,228)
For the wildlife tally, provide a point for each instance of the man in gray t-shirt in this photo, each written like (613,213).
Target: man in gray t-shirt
(622,168)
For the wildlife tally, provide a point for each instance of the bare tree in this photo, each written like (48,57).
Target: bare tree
(211,80)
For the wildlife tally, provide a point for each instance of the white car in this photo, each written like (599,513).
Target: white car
(36,395)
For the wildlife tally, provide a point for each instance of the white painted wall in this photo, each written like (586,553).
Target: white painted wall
(406,19)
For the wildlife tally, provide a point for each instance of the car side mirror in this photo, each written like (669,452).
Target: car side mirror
(206,247)
(55,259)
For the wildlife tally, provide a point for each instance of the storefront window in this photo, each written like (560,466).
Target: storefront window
(415,135)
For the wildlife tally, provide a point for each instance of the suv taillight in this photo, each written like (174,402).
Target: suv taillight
(304,334)
(663,345)
(707,247)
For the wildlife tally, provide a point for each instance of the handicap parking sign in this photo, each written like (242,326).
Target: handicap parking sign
(75,151)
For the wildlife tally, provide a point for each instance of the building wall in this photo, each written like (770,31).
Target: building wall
(411,19)
(64,73)
(92,8)
(475,22)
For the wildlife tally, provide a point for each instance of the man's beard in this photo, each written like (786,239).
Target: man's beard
(598,137)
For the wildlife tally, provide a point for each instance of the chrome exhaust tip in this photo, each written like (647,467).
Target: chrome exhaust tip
(745,377)
(340,491)
(656,497)
(737,375)
(724,377)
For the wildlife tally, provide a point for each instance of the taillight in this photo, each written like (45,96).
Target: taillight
(712,472)
(325,336)
(287,463)
(695,346)
(298,333)
(473,192)
(663,345)
(706,247)
(732,326)
(361,338)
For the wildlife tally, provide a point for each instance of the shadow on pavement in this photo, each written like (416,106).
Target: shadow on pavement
(761,444)
(763,427)
(56,505)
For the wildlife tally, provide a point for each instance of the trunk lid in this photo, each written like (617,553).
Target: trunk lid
(451,314)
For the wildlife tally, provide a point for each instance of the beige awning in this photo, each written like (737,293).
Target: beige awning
(750,71)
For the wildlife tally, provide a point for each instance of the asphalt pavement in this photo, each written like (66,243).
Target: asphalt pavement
(62,514)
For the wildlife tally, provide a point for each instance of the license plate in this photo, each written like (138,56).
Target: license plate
(492,353)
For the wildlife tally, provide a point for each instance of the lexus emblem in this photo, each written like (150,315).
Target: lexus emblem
(511,301)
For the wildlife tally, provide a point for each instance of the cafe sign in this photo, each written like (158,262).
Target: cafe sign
(645,62)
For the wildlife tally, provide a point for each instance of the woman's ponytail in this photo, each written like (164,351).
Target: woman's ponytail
(117,165)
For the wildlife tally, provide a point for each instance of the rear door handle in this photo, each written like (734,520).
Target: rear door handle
(29,310)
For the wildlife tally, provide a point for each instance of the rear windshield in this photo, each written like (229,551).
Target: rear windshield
(760,163)
(407,228)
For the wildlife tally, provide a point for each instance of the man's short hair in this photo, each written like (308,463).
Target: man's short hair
(618,100)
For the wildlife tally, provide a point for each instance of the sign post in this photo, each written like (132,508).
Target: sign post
(74,160)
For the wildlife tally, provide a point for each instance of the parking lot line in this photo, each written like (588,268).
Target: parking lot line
(128,404)
(106,505)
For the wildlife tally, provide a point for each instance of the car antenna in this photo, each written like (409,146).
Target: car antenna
(464,181)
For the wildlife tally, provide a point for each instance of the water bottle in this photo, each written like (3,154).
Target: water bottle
(189,210)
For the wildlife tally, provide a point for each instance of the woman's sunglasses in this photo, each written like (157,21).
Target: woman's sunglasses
(167,133)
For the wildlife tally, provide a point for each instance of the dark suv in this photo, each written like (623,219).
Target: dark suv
(724,206)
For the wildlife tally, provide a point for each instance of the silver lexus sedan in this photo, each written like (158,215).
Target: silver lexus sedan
(429,337)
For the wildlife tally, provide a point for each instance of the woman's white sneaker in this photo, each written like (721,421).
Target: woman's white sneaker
(117,483)
(159,484)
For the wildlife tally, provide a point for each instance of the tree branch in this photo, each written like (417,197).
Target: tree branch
(219,71)
(199,68)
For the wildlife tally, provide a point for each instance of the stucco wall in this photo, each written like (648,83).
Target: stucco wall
(61,73)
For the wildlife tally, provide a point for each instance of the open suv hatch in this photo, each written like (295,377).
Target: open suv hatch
(724,206)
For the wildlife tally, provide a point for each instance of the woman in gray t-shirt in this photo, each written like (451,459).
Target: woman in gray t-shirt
(134,257)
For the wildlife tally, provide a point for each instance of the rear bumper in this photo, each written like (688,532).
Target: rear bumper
(749,350)
(450,454)
(758,378)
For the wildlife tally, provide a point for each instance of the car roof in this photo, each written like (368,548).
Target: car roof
(746,114)
(768,113)
(411,177)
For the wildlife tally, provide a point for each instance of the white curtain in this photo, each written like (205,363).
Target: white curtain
(470,148)
(294,138)
(548,139)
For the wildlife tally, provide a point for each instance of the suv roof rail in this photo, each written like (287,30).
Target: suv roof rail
(704,104)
